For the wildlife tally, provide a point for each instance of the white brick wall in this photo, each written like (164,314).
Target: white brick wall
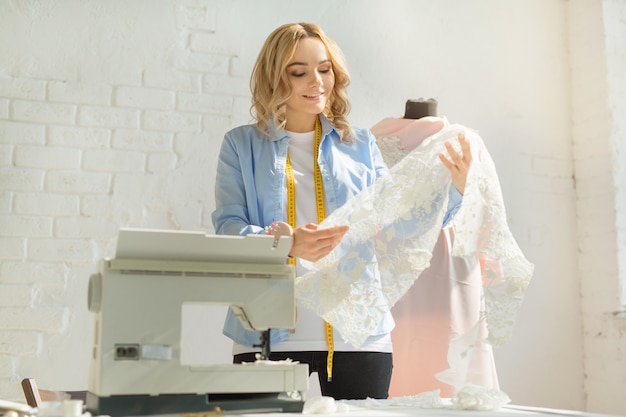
(80,158)
(597,44)
(21,133)
(116,121)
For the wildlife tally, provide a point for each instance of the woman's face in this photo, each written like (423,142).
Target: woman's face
(311,76)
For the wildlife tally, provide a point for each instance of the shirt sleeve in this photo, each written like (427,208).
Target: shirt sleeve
(455,198)
(231,215)
(377,157)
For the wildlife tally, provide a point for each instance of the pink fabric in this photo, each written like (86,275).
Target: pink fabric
(443,303)
(410,132)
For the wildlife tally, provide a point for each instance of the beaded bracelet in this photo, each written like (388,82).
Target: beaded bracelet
(269,230)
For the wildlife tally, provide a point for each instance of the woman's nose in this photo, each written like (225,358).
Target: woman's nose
(317,78)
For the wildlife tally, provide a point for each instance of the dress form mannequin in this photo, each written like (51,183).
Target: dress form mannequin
(444,301)
(416,109)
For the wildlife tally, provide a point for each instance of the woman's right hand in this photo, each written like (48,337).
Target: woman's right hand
(311,243)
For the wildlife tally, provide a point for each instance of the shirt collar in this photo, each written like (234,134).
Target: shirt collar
(279,133)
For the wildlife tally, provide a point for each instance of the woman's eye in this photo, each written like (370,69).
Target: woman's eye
(297,74)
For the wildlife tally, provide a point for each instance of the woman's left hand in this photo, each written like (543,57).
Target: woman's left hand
(458,165)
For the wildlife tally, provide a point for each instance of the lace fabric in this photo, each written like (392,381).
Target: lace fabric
(394,225)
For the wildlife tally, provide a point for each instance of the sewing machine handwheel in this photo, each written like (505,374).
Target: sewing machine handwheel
(94,293)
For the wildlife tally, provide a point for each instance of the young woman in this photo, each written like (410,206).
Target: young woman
(301,161)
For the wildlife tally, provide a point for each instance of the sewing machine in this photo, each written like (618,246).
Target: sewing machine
(137,299)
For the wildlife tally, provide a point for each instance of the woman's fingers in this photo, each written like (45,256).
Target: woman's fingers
(458,164)
(312,243)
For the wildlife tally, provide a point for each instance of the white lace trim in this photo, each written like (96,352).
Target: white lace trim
(394,225)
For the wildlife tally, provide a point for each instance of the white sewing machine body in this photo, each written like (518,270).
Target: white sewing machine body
(137,298)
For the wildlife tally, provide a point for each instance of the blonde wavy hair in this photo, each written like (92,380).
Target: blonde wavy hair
(270,86)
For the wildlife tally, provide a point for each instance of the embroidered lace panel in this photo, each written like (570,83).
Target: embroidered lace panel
(394,225)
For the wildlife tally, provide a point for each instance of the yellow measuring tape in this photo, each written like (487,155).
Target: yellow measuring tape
(321,213)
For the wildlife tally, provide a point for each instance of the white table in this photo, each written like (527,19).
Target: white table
(361,409)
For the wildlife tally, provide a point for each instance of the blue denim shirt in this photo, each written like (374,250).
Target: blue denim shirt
(250,190)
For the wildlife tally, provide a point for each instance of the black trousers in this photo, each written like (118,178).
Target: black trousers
(356,375)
